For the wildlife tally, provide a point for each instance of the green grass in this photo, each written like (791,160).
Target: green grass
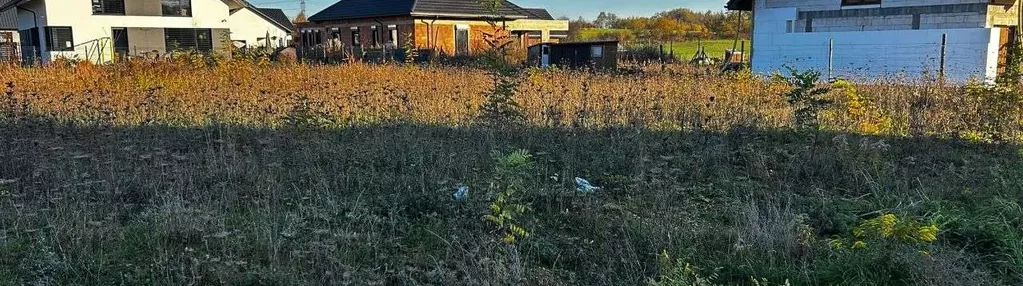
(714,48)
(372,205)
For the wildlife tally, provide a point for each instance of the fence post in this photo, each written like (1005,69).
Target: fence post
(742,55)
(944,45)
(831,58)
(661,57)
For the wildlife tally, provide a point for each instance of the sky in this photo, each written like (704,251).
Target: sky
(570,8)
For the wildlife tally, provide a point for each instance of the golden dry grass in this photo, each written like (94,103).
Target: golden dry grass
(263,95)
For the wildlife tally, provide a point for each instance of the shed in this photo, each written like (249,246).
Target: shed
(599,54)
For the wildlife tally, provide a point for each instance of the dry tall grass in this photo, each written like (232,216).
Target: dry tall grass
(265,95)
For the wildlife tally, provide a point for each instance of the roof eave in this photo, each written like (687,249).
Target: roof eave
(271,19)
(12,4)
(317,19)
(739,5)
(473,16)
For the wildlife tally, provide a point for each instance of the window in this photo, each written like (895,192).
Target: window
(200,40)
(860,2)
(30,38)
(393,35)
(108,7)
(120,38)
(60,39)
(180,8)
(356,37)
(461,40)
(30,46)
(376,36)
(596,51)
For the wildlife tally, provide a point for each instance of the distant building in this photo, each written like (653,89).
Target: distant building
(869,38)
(253,27)
(104,30)
(452,27)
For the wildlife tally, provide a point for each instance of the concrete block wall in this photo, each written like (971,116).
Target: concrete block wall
(823,5)
(874,18)
(869,54)
(903,22)
(953,21)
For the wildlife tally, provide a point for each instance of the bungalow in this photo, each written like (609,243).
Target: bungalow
(104,30)
(960,39)
(452,27)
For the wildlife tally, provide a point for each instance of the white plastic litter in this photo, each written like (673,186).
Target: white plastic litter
(584,186)
(462,193)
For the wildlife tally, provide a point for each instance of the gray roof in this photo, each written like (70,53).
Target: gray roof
(277,16)
(539,14)
(8,18)
(742,5)
(356,9)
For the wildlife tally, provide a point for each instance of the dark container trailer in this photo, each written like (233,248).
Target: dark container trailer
(600,55)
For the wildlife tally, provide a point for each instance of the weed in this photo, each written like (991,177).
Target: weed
(807,97)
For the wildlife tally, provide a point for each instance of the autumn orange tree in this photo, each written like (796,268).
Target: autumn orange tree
(675,25)
(500,108)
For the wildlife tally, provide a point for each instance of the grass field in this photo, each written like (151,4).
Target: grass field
(714,48)
(263,174)
(683,50)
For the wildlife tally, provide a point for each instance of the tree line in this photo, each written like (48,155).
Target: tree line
(680,24)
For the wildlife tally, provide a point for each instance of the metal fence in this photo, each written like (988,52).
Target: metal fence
(334,54)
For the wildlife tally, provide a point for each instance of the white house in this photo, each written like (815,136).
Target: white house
(253,27)
(869,38)
(104,30)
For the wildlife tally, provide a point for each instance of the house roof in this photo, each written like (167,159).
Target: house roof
(586,43)
(539,14)
(358,9)
(741,5)
(10,4)
(9,20)
(6,5)
(276,16)
(351,9)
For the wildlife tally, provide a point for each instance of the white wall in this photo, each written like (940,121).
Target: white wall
(247,26)
(88,29)
(865,54)
(816,5)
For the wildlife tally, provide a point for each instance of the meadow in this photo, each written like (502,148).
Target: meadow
(713,48)
(253,173)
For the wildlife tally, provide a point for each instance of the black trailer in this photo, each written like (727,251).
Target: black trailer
(599,54)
